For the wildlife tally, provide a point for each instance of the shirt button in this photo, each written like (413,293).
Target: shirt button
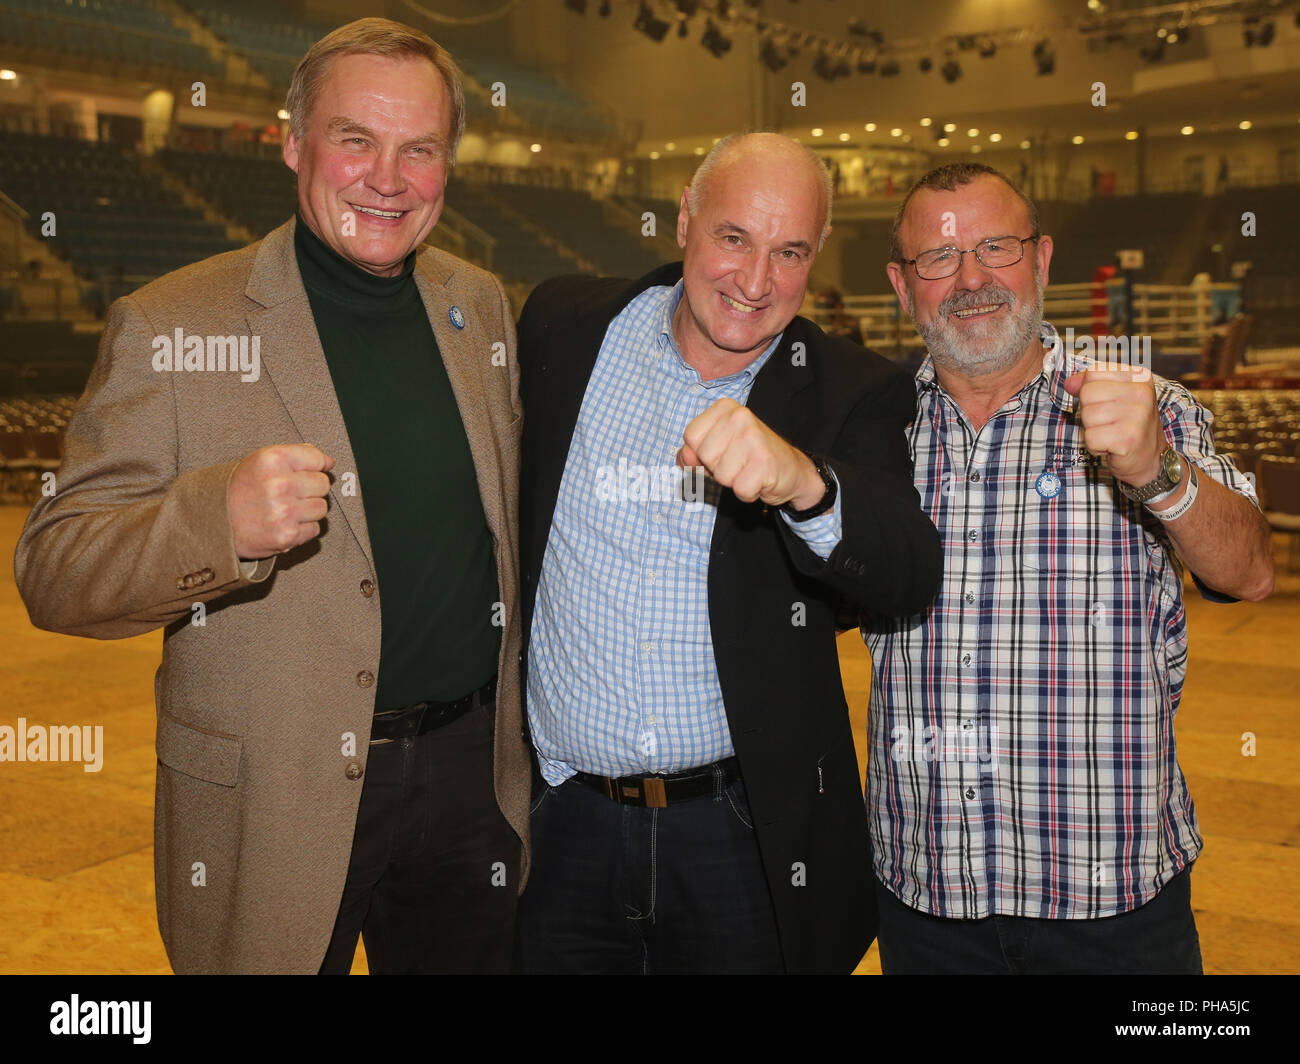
(652,576)
(365,678)
(965,659)
(968,724)
(657,519)
(646,646)
(972,534)
(367,587)
(975,477)
(353,771)
(970,597)
(970,794)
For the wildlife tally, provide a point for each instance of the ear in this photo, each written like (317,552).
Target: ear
(898,279)
(290,152)
(1045,248)
(683,217)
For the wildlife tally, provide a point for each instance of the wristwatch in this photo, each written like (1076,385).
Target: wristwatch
(1171,475)
(827,500)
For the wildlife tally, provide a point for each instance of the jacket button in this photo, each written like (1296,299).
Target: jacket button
(365,678)
(367,587)
(353,771)
(180,583)
(207,574)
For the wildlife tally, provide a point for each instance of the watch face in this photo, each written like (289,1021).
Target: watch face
(1172,465)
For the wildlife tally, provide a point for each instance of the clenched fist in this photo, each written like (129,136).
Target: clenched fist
(1117,409)
(741,453)
(277,498)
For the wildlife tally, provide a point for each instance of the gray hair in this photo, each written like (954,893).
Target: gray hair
(704,174)
(949,178)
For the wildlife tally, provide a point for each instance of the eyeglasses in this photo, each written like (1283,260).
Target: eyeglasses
(994,252)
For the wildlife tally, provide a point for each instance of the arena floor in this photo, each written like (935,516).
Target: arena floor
(76,855)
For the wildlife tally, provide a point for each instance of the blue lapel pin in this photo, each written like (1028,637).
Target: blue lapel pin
(1048,485)
(457,318)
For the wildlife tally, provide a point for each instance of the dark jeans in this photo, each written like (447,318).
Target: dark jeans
(1157,939)
(621,889)
(434,872)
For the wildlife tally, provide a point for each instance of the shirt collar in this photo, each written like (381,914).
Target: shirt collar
(1057,368)
(668,342)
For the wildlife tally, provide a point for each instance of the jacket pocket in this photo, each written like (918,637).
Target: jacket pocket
(204,755)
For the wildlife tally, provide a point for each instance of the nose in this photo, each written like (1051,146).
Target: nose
(752,278)
(971,274)
(385,175)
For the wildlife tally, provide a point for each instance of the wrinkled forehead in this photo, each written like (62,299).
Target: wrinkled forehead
(783,198)
(981,208)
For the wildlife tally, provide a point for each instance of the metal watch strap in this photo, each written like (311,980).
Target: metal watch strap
(1161,487)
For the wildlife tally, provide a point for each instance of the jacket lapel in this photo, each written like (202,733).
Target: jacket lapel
(294,361)
(779,399)
(475,380)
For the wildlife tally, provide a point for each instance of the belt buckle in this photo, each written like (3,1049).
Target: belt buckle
(654,792)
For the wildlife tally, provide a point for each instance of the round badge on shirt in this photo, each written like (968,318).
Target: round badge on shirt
(1048,485)
(457,318)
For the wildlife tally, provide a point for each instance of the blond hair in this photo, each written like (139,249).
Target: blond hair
(372,36)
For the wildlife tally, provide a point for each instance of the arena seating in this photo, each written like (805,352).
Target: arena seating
(255,192)
(579,221)
(112,220)
(126,34)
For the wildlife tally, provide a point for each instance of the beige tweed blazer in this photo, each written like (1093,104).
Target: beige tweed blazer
(264,709)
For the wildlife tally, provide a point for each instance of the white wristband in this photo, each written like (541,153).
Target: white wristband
(1177,511)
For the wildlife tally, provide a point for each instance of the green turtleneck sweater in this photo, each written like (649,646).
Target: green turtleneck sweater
(434,557)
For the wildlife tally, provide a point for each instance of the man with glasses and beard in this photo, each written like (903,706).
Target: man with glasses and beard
(1027,811)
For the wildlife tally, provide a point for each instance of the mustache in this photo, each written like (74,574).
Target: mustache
(993,293)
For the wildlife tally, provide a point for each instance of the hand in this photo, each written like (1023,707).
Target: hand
(741,453)
(1117,409)
(277,498)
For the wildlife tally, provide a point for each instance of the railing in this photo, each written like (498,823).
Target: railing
(12,217)
(1176,317)
(476,244)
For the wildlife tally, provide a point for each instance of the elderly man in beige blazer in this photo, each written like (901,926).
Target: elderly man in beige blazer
(271,461)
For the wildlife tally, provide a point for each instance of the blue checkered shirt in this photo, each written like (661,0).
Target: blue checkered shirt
(1022,756)
(621,675)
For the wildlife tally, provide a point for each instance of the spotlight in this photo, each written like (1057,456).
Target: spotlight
(770,55)
(683,28)
(1256,33)
(865,65)
(714,41)
(988,48)
(1153,53)
(966,44)
(925,65)
(824,66)
(688,7)
(603,11)
(650,24)
(951,71)
(889,68)
(1045,56)
(580,6)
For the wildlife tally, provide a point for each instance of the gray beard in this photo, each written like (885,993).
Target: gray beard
(991,346)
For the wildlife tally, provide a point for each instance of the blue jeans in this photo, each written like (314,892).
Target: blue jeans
(622,889)
(1157,939)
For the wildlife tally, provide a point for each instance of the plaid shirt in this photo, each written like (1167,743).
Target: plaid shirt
(1022,757)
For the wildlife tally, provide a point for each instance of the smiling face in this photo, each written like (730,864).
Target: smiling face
(748,253)
(981,320)
(373,162)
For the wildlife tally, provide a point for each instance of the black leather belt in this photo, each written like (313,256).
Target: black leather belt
(425,716)
(657,792)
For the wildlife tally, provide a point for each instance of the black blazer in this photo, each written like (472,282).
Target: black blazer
(780,682)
